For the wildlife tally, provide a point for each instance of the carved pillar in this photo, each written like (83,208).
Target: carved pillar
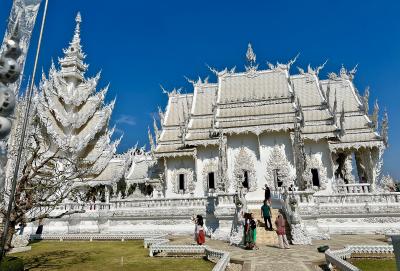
(348,168)
(360,167)
(107,194)
(222,164)
(165,177)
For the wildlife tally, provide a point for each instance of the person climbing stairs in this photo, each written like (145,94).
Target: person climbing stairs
(264,236)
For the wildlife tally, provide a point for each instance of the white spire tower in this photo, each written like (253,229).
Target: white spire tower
(72,114)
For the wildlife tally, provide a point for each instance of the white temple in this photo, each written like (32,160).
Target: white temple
(262,127)
(222,144)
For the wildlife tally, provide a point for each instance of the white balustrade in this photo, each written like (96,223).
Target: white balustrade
(338,258)
(160,244)
(354,188)
(160,203)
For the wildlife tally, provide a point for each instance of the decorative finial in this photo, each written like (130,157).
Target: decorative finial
(251,59)
(155,127)
(375,115)
(365,100)
(385,129)
(343,73)
(151,140)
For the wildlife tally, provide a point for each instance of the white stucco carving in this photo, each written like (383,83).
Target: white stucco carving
(244,163)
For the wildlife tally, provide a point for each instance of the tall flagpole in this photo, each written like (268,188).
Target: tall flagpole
(22,139)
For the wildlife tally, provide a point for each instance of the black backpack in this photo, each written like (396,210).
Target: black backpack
(253,224)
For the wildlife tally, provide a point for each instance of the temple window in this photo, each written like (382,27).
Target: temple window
(181,182)
(315,177)
(211,180)
(245,182)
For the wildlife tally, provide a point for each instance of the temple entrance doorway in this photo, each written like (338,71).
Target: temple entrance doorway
(181,181)
(315,177)
(211,180)
(245,182)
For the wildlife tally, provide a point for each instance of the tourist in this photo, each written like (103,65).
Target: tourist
(201,235)
(266,214)
(195,219)
(248,232)
(253,227)
(267,193)
(281,231)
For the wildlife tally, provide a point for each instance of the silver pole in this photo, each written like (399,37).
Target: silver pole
(22,140)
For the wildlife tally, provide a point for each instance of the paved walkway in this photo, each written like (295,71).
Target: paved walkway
(298,258)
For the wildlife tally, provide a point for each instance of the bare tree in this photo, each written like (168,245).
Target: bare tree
(46,179)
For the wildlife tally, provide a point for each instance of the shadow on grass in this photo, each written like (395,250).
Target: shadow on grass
(34,241)
(55,260)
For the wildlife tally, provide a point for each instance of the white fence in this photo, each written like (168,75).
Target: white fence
(338,258)
(160,245)
(354,188)
(311,204)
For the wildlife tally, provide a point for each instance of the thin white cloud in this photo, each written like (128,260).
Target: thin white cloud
(126,119)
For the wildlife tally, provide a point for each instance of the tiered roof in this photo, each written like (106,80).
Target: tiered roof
(174,125)
(200,125)
(254,101)
(258,101)
(358,128)
(318,116)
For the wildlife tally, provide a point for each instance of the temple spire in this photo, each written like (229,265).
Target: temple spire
(76,40)
(72,64)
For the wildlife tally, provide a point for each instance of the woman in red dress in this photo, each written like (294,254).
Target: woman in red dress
(201,235)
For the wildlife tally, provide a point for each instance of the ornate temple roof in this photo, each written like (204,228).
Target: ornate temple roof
(358,128)
(260,101)
(201,115)
(144,169)
(174,124)
(318,118)
(254,101)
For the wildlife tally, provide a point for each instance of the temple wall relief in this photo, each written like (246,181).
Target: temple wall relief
(242,156)
(175,167)
(277,145)
(207,162)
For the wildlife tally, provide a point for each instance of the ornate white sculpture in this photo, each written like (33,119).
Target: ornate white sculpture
(244,163)
(280,164)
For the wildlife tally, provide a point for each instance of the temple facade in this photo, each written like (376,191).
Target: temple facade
(266,127)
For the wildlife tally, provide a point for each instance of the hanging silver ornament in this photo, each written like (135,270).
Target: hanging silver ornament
(5,127)
(7,100)
(9,70)
(13,49)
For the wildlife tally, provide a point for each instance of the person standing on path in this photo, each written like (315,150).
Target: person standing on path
(267,194)
(266,214)
(201,234)
(253,226)
(281,231)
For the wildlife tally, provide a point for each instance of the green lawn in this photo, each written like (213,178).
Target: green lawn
(103,255)
(375,264)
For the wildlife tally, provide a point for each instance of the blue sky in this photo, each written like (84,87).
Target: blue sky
(140,45)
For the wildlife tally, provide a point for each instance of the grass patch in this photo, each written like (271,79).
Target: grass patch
(375,264)
(11,264)
(103,255)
